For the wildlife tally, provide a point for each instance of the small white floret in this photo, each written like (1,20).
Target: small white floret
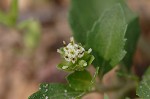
(64,42)
(58,50)
(74,60)
(85,64)
(64,67)
(73,51)
(90,50)
(72,40)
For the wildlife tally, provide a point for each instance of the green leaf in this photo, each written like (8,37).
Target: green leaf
(132,35)
(95,75)
(143,91)
(80,80)
(107,39)
(83,15)
(56,91)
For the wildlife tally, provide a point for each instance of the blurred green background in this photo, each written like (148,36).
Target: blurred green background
(30,33)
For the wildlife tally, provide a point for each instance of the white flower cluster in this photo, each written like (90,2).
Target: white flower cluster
(73,51)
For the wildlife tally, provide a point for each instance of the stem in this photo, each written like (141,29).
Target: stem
(130,85)
(103,88)
(100,74)
(120,89)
